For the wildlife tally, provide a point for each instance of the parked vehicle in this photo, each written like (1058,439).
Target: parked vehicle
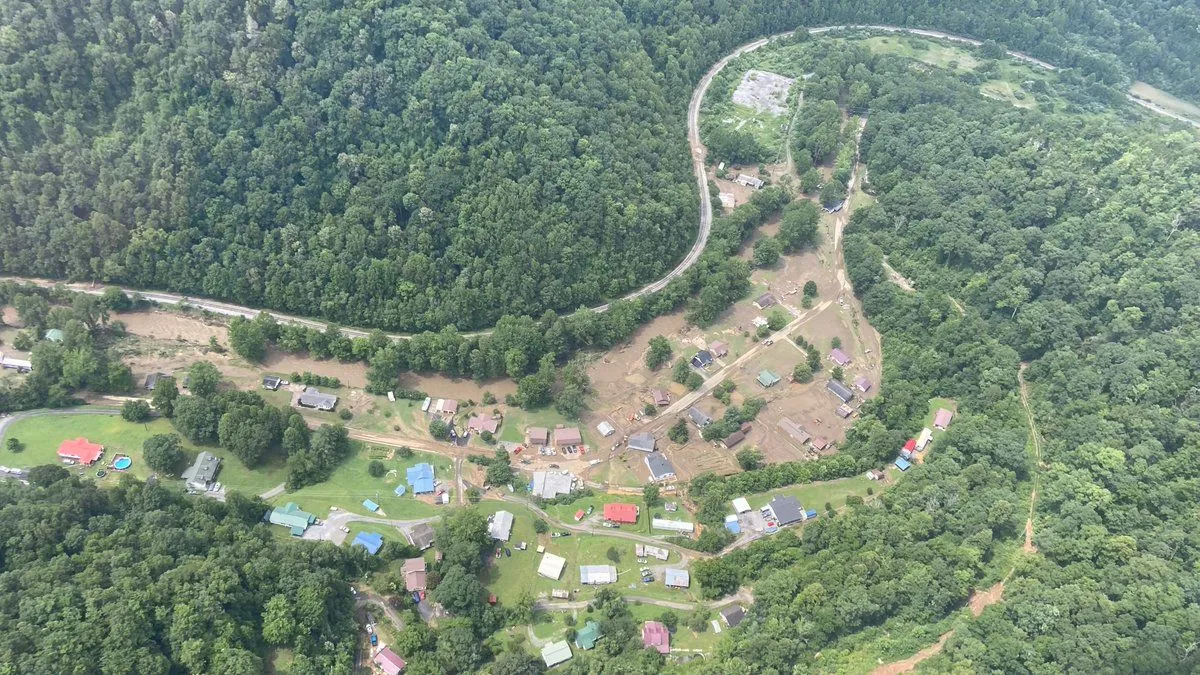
(507,552)
(374,640)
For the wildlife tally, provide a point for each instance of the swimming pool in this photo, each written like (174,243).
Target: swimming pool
(121,463)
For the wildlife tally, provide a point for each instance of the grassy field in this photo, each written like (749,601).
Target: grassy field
(928,51)
(1165,100)
(509,577)
(682,638)
(42,436)
(816,495)
(350,484)
(566,512)
(516,420)
(1003,90)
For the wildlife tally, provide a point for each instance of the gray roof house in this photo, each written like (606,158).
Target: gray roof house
(501,526)
(840,390)
(153,378)
(733,615)
(312,398)
(421,535)
(660,467)
(787,510)
(698,417)
(642,441)
(201,474)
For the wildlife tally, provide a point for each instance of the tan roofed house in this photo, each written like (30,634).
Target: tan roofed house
(567,436)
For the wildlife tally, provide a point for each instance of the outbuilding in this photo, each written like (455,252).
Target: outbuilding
(552,566)
(839,390)
(567,437)
(643,441)
(732,439)
(606,429)
(674,578)
(556,653)
(596,575)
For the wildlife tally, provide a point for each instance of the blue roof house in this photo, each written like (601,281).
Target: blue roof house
(370,505)
(420,478)
(371,541)
(903,464)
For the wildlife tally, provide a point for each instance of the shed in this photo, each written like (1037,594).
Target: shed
(718,348)
(656,636)
(876,474)
(819,443)
(660,467)
(843,411)
(501,525)
(621,513)
(415,574)
(787,510)
(594,575)
(702,359)
(839,390)
(674,578)
(370,505)
(673,525)
(606,429)
(731,616)
(372,541)
(660,396)
(903,464)
(643,441)
(567,436)
(588,635)
(767,379)
(733,439)
(840,357)
(538,435)
(400,490)
(942,418)
(552,566)
(741,505)
(862,383)
(556,653)
(732,524)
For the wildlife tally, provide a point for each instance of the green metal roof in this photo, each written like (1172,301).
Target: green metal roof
(55,335)
(290,515)
(587,636)
(768,379)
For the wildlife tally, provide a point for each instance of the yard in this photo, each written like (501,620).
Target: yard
(566,512)
(350,484)
(816,495)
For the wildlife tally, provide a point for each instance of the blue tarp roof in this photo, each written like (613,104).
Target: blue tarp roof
(400,490)
(812,513)
(903,464)
(369,540)
(732,526)
(370,505)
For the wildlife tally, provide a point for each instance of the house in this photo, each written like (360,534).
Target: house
(740,505)
(292,517)
(910,447)
(924,438)
(787,510)
(903,464)
(765,300)
(794,430)
(54,335)
(727,200)
(749,181)
(80,451)
(480,424)
(606,429)
(862,383)
(660,468)
(450,406)
(537,436)
(311,397)
(843,411)
(656,636)
(698,417)
(594,575)
(587,636)
(643,441)
(372,541)
(500,525)
(819,443)
(389,662)
(767,379)
(732,439)
(839,390)
(732,524)
(201,474)
(420,478)
(567,436)
(876,474)
(660,396)
(415,574)
(370,506)
(153,378)
(421,536)
(759,321)
(271,383)
(731,616)
(840,357)
(552,566)
(621,513)
(550,484)
(19,365)
(718,349)
(556,653)
(702,359)
(645,550)
(681,526)
(674,578)
(942,418)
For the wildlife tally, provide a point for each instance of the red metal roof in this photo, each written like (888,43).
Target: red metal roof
(621,513)
(81,450)
(655,634)
(911,444)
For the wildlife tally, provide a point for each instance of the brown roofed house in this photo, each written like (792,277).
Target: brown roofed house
(537,436)
(718,349)
(414,571)
(733,439)
(660,396)
(567,436)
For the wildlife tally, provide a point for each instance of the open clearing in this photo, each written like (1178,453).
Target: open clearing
(1165,101)
(763,91)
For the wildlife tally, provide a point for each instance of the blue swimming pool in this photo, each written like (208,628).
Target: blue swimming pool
(122,463)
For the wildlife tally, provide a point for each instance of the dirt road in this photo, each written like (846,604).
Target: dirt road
(1035,437)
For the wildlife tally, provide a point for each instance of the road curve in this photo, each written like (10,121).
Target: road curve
(698,151)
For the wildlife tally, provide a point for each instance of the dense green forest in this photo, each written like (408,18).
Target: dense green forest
(139,579)
(412,166)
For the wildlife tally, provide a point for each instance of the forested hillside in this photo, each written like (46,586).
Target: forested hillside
(1071,242)
(412,166)
(142,580)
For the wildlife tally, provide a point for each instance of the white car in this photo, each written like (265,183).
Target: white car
(345,529)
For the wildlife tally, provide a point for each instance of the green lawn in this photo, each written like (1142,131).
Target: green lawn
(350,484)
(929,51)
(42,436)
(235,476)
(509,577)
(566,512)
(1003,90)
(516,420)
(815,495)
(682,638)
(934,404)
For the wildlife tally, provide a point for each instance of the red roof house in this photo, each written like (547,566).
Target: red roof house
(480,424)
(80,450)
(655,635)
(621,513)
(942,418)
(911,445)
(389,662)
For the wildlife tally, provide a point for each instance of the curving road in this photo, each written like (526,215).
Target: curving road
(699,154)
